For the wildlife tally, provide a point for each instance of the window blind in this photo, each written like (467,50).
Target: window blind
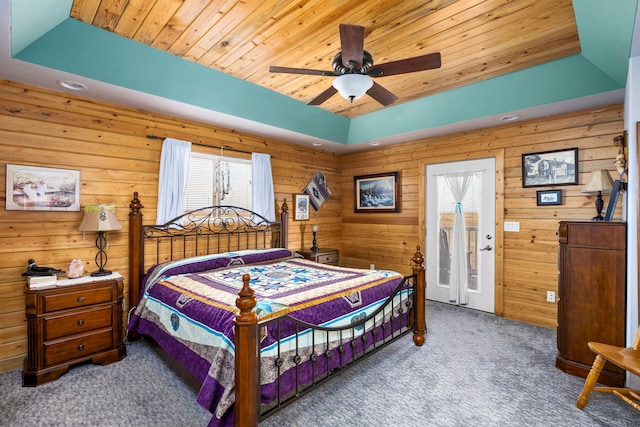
(216,180)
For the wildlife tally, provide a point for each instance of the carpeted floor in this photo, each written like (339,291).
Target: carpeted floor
(475,369)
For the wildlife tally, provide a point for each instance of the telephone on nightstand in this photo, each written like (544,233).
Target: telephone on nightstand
(34,270)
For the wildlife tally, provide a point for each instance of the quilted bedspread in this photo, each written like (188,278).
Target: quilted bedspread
(188,307)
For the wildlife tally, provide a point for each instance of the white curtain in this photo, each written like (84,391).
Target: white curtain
(458,184)
(262,195)
(172,184)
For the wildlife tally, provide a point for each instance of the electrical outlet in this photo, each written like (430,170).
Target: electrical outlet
(372,266)
(551,296)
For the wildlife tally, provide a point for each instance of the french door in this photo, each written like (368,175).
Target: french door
(460,233)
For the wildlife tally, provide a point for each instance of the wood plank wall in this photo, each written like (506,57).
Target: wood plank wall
(526,266)
(109,145)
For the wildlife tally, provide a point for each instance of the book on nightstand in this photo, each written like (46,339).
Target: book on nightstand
(42,282)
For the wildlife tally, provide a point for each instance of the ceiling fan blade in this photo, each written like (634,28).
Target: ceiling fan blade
(326,94)
(289,70)
(352,42)
(409,65)
(382,95)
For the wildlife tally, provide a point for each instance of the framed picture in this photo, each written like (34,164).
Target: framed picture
(33,188)
(547,168)
(302,207)
(549,197)
(618,186)
(376,193)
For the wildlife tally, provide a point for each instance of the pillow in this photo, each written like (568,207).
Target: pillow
(213,261)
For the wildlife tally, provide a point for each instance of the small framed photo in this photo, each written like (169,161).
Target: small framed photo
(34,188)
(376,193)
(559,167)
(549,197)
(302,207)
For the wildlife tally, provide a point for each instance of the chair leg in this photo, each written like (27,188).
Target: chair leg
(591,381)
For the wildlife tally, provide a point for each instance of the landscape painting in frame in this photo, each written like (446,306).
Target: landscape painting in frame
(33,188)
(376,193)
(559,167)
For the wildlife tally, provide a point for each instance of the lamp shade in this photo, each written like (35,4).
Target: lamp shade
(600,181)
(352,86)
(99,218)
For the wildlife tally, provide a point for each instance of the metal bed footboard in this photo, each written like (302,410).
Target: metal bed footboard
(320,351)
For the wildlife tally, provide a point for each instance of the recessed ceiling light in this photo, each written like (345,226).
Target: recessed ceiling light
(374,143)
(71,85)
(509,118)
(317,144)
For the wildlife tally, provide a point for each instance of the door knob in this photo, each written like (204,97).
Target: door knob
(486,248)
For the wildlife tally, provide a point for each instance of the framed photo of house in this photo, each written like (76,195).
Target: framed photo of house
(559,167)
(376,193)
(549,197)
(302,207)
(34,188)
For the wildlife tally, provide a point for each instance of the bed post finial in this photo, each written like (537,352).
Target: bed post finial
(246,361)
(135,204)
(246,301)
(420,327)
(285,207)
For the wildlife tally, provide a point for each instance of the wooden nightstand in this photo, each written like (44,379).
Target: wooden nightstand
(323,256)
(71,324)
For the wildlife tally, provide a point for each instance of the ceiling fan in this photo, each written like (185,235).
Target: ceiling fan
(353,68)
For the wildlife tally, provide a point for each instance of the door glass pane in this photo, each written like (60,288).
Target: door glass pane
(471,205)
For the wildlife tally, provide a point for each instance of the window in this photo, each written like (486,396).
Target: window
(215,180)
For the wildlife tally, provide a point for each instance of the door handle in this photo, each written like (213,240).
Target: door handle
(486,248)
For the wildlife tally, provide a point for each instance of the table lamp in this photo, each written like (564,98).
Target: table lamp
(314,230)
(600,182)
(100,218)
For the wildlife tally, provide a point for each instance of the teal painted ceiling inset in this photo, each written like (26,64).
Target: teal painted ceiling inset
(606,30)
(43,34)
(31,19)
(552,82)
(151,71)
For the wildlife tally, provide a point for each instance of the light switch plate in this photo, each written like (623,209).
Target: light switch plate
(512,226)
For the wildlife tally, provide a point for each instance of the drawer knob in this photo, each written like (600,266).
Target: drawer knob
(80,347)
(80,322)
(80,299)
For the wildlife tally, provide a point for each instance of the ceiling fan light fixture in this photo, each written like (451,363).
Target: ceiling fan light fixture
(352,86)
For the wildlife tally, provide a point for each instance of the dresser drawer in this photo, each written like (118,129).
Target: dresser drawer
(330,258)
(76,298)
(75,323)
(76,347)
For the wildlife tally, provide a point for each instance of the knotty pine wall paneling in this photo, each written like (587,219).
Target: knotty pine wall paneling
(108,144)
(526,262)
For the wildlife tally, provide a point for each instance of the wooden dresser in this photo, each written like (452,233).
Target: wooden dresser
(591,291)
(323,256)
(72,324)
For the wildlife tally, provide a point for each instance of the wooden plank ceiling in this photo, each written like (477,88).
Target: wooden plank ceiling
(478,39)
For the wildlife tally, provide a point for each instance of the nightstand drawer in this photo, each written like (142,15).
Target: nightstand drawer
(323,256)
(80,346)
(330,258)
(79,298)
(70,324)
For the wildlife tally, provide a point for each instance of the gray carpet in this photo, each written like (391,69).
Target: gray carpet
(474,370)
